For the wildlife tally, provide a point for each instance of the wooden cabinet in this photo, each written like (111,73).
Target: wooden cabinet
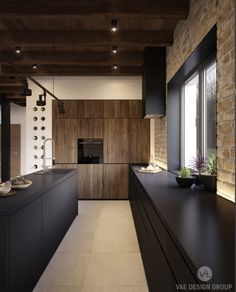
(70,110)
(90,181)
(115,181)
(65,136)
(90,128)
(122,109)
(154,82)
(90,109)
(139,140)
(116,139)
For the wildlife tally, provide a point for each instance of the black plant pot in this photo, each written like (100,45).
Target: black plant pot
(196,179)
(185,182)
(209,182)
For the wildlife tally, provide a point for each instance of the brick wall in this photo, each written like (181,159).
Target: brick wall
(188,34)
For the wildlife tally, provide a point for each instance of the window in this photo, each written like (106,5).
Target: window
(198,114)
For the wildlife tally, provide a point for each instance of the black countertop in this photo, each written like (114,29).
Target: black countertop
(40,184)
(200,223)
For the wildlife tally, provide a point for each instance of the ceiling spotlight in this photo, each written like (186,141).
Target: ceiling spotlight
(34,66)
(114,50)
(61,108)
(17,50)
(42,99)
(25,91)
(115,66)
(114,25)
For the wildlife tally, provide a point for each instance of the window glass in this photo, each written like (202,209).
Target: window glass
(210,110)
(190,119)
(198,115)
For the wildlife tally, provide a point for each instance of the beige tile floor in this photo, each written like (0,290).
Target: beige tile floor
(99,253)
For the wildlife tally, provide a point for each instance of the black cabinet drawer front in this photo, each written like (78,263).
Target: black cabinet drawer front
(159,275)
(181,270)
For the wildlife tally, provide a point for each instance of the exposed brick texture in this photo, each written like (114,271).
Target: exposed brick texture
(204,14)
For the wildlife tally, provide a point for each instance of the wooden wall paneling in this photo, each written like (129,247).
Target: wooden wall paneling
(15,150)
(90,128)
(90,181)
(139,140)
(110,145)
(81,109)
(122,140)
(122,109)
(115,181)
(66,165)
(65,137)
(94,109)
(70,110)
(110,109)
(134,109)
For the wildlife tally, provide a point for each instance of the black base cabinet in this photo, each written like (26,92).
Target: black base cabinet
(164,267)
(32,224)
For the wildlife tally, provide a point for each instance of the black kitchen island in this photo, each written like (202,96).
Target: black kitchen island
(180,231)
(32,224)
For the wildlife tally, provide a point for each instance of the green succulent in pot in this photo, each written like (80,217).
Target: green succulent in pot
(185,179)
(198,165)
(208,176)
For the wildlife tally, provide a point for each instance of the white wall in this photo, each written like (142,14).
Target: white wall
(18,116)
(68,87)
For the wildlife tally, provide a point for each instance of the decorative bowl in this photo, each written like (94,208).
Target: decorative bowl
(185,182)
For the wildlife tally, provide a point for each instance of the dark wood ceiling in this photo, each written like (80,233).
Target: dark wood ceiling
(67,37)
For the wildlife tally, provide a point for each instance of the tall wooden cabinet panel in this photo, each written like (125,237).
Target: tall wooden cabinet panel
(70,110)
(115,181)
(116,138)
(90,181)
(65,137)
(139,140)
(93,109)
(90,128)
(122,109)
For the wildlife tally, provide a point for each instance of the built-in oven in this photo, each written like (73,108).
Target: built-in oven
(90,151)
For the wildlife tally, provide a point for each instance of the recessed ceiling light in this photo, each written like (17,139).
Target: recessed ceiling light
(114,25)
(17,50)
(114,50)
(34,66)
(115,66)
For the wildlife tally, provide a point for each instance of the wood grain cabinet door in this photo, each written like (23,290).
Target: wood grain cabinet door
(90,181)
(70,110)
(90,109)
(139,140)
(90,128)
(115,181)
(116,138)
(122,109)
(66,140)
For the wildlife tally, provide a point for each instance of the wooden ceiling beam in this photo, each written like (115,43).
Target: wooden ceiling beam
(10,81)
(162,9)
(85,38)
(74,70)
(10,89)
(77,58)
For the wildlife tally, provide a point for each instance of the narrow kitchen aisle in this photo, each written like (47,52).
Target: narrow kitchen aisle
(100,253)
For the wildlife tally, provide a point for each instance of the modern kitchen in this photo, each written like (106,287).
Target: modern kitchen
(117,146)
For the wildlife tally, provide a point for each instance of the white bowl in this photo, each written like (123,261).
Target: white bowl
(4,190)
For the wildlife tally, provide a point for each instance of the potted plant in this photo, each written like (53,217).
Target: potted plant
(208,177)
(185,180)
(197,166)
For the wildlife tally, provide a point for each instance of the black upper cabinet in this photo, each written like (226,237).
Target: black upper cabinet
(154,82)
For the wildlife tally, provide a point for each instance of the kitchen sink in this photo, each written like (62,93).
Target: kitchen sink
(53,171)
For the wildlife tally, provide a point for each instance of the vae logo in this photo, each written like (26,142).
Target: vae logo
(204,273)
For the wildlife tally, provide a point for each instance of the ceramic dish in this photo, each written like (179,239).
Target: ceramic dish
(20,187)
